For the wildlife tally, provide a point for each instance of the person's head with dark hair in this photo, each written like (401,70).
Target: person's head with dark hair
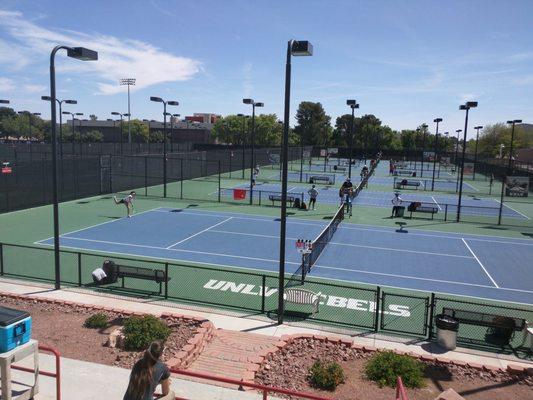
(142,374)
(133,193)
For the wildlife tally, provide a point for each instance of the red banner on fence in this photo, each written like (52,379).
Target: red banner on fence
(239,194)
(6,170)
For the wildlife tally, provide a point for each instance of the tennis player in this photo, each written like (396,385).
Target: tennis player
(127,201)
(347,200)
(396,204)
(313,194)
(347,184)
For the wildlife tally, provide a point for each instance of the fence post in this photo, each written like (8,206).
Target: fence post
(1,259)
(166,280)
(146,175)
(219,181)
(111,173)
(446,212)
(263,292)
(79,269)
(378,308)
(431,312)
(181,176)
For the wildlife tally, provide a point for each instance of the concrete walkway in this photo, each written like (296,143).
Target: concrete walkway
(225,344)
(89,381)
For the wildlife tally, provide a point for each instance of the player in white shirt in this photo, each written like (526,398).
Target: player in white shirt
(127,201)
(396,203)
(313,194)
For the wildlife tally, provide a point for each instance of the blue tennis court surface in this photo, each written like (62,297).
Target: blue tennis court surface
(472,265)
(330,195)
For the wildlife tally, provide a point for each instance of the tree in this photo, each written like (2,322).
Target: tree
(93,117)
(139,131)
(228,130)
(311,120)
(93,136)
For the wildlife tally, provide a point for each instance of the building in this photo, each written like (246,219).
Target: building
(205,118)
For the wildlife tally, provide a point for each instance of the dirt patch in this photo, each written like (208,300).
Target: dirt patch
(288,368)
(61,326)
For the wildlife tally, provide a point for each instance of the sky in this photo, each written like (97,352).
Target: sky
(407,62)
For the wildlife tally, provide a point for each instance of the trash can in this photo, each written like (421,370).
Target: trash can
(447,328)
(400,211)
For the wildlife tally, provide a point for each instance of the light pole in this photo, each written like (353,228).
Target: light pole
(477,128)
(73,115)
(170,103)
(149,128)
(252,162)
(121,128)
(467,106)
(436,120)
(129,82)
(512,123)
(243,141)
(458,131)
(29,114)
(172,131)
(509,165)
(83,54)
(425,130)
(294,48)
(353,105)
(60,102)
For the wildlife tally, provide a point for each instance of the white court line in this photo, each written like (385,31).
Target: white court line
(95,225)
(477,259)
(413,277)
(199,233)
(348,244)
(174,250)
(511,208)
(436,203)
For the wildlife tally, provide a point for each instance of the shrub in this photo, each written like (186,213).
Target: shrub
(139,332)
(326,376)
(97,321)
(385,367)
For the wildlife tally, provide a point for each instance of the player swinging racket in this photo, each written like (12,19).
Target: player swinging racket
(347,200)
(127,201)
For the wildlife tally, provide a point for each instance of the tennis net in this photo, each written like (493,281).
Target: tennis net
(319,244)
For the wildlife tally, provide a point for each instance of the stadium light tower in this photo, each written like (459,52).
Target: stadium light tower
(243,141)
(128,82)
(353,105)
(83,54)
(436,120)
(60,103)
(294,48)
(170,103)
(477,128)
(466,107)
(254,104)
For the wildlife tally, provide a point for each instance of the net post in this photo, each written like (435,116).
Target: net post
(263,292)
(166,280)
(446,212)
(259,196)
(302,281)
(378,307)
(431,313)
(79,269)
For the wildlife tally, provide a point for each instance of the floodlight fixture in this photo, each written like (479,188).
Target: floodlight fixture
(351,102)
(156,99)
(437,120)
(4,101)
(173,103)
(82,53)
(301,48)
(248,101)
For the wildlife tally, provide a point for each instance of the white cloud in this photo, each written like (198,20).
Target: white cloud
(30,88)
(117,58)
(6,84)
(523,80)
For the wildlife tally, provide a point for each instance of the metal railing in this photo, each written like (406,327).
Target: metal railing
(56,375)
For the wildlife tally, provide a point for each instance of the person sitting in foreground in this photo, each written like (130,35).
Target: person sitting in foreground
(147,374)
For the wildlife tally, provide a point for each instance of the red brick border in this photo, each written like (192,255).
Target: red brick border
(255,365)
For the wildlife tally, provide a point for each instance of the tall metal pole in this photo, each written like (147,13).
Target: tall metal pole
(171,132)
(285,155)
(477,128)
(252,164)
(129,117)
(437,120)
(243,145)
(467,108)
(458,131)
(164,149)
(351,145)
(55,194)
(60,129)
(121,136)
(424,127)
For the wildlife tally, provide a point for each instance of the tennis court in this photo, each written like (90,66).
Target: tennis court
(471,265)
(330,195)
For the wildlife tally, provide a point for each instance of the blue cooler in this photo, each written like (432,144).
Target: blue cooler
(15,328)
